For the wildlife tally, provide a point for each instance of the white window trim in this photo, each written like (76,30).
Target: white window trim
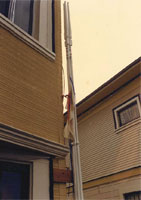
(25,37)
(41,179)
(12,10)
(124,105)
(128,125)
(45,24)
(44,21)
(30,175)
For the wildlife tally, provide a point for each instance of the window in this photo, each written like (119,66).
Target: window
(127,112)
(25,174)
(36,17)
(133,196)
(14,180)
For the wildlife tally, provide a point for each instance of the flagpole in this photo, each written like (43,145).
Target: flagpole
(78,188)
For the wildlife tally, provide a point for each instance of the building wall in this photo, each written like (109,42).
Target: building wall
(31,91)
(31,86)
(104,150)
(60,190)
(113,191)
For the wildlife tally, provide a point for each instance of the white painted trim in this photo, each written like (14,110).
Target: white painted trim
(25,37)
(49,24)
(45,23)
(41,179)
(11,13)
(124,105)
(30,141)
(35,24)
(128,125)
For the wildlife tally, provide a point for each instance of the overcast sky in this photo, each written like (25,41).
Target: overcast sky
(106,38)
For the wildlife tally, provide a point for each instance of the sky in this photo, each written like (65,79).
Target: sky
(106,37)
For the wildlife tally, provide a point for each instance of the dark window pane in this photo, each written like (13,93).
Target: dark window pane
(4,7)
(133,196)
(14,180)
(24,15)
(10,185)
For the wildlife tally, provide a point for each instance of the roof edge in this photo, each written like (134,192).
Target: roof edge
(109,81)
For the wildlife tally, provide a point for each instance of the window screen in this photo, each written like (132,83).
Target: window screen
(127,112)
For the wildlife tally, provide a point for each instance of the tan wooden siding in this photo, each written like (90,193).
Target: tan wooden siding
(103,150)
(31,86)
(60,190)
(31,90)
(113,191)
(111,187)
(140,144)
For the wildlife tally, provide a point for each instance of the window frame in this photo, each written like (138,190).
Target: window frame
(120,107)
(10,165)
(36,166)
(42,28)
(126,195)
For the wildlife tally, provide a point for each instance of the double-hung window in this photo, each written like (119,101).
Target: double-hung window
(36,17)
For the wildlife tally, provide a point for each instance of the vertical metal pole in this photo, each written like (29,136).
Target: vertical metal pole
(76,152)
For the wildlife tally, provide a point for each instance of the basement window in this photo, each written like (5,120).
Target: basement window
(127,112)
(133,195)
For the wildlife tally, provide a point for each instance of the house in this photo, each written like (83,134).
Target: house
(32,149)
(109,124)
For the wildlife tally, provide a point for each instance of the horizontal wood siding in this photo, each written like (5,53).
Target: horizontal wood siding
(31,86)
(103,150)
(31,90)
(113,191)
(60,190)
